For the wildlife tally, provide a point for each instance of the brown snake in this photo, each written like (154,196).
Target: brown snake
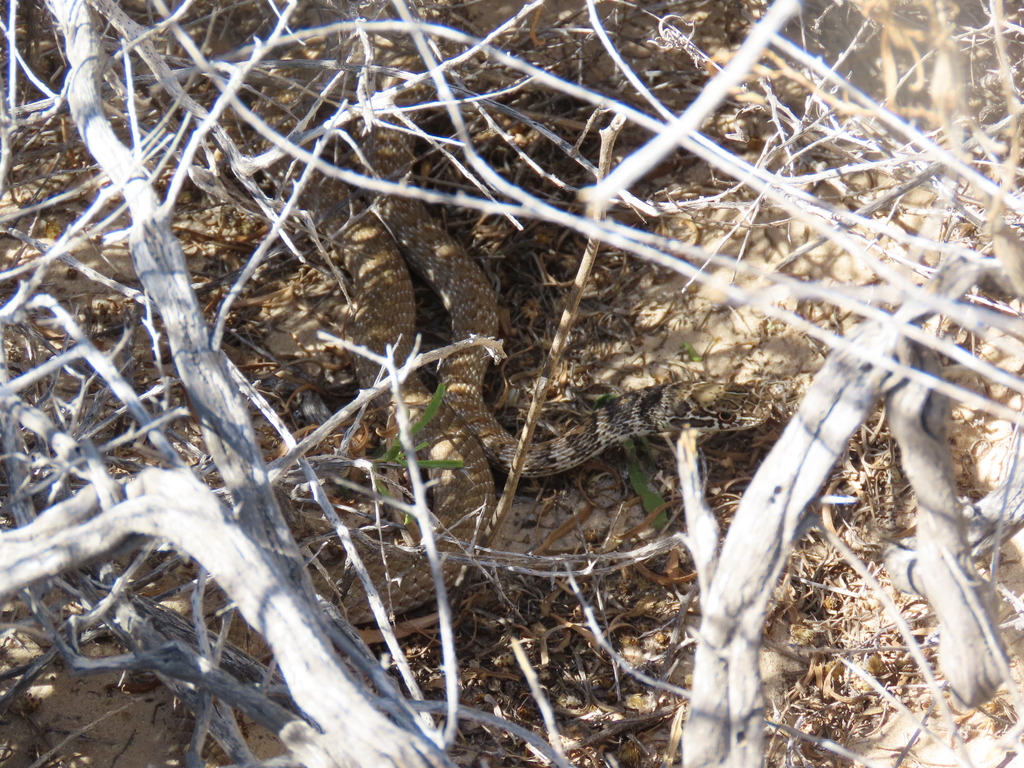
(464,428)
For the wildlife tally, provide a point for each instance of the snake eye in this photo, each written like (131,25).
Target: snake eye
(726,417)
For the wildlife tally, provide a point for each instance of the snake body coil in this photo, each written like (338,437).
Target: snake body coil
(465,428)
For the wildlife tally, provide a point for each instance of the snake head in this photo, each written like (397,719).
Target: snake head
(716,407)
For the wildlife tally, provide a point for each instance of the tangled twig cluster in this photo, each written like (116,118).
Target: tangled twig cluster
(768,193)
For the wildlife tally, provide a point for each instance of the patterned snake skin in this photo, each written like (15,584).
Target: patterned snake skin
(464,428)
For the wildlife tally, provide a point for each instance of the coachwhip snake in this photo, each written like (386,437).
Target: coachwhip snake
(464,428)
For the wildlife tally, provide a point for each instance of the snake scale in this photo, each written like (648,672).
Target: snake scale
(464,428)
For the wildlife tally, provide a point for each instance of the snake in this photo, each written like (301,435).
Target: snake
(378,252)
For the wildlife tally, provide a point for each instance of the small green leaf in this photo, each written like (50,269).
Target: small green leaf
(692,353)
(396,454)
(440,464)
(650,498)
(431,411)
(392,454)
(431,463)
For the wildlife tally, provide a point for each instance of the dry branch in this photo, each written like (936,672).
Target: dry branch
(171,505)
(831,152)
(251,551)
